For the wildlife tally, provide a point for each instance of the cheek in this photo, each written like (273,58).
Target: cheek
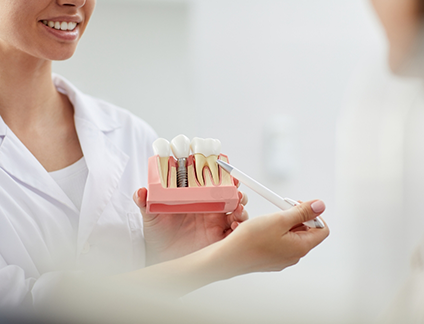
(88,12)
(89,9)
(13,20)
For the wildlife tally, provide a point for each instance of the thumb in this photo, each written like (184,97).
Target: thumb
(140,197)
(304,212)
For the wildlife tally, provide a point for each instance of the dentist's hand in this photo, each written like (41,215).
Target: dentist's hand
(169,236)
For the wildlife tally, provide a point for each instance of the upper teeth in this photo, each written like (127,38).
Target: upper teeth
(206,153)
(60,25)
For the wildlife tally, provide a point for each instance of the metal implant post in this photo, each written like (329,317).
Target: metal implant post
(180,146)
(182,173)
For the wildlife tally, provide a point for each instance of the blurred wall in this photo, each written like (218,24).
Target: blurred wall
(234,70)
(136,55)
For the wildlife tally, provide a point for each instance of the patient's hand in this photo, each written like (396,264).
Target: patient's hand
(271,242)
(169,236)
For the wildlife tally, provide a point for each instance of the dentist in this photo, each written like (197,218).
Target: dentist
(69,165)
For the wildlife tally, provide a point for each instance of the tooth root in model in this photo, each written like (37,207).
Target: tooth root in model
(213,167)
(180,146)
(225,176)
(200,162)
(214,147)
(191,175)
(172,177)
(162,148)
(206,152)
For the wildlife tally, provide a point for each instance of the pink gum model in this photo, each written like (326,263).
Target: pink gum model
(214,199)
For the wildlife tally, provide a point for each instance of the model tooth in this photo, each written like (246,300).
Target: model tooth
(214,146)
(206,153)
(197,147)
(162,148)
(180,146)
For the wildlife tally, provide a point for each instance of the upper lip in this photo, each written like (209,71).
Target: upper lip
(75,19)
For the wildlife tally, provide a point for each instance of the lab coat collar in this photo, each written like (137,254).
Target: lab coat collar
(105,162)
(86,107)
(3,128)
(18,161)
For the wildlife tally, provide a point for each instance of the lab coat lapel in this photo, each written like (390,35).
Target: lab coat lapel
(19,162)
(105,163)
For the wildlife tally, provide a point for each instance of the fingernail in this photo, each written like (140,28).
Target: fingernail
(318,206)
(136,194)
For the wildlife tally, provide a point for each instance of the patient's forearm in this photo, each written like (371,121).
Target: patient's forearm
(183,275)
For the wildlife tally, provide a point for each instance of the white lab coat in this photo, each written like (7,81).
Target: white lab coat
(37,241)
(380,172)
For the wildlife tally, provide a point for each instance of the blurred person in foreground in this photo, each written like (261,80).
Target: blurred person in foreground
(51,232)
(381,166)
(403,21)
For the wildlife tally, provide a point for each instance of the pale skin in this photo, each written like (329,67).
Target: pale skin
(184,252)
(401,21)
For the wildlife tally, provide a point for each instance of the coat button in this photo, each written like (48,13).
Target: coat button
(86,248)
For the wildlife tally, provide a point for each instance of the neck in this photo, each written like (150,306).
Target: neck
(27,94)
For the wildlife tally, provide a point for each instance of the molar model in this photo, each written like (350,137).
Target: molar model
(206,153)
(189,183)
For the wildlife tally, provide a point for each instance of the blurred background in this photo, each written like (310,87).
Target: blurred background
(286,85)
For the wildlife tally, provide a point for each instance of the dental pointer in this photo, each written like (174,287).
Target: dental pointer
(282,203)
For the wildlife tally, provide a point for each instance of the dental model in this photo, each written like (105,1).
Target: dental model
(186,183)
(180,146)
(206,152)
(162,148)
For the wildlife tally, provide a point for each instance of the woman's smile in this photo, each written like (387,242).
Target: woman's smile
(44,29)
(60,25)
(64,28)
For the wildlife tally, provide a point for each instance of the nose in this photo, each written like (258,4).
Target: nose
(72,3)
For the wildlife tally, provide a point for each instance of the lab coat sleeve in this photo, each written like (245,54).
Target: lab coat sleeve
(16,290)
(14,287)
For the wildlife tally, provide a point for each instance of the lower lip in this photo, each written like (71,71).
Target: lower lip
(64,35)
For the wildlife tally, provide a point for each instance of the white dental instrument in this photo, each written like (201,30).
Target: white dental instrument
(283,203)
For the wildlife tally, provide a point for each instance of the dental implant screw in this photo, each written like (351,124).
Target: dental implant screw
(182,173)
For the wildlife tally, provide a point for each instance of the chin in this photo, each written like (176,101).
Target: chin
(407,63)
(60,56)
(395,63)
(407,58)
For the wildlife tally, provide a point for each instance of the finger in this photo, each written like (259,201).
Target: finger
(304,212)
(236,182)
(234,225)
(140,197)
(243,198)
(296,227)
(300,228)
(239,215)
(312,237)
